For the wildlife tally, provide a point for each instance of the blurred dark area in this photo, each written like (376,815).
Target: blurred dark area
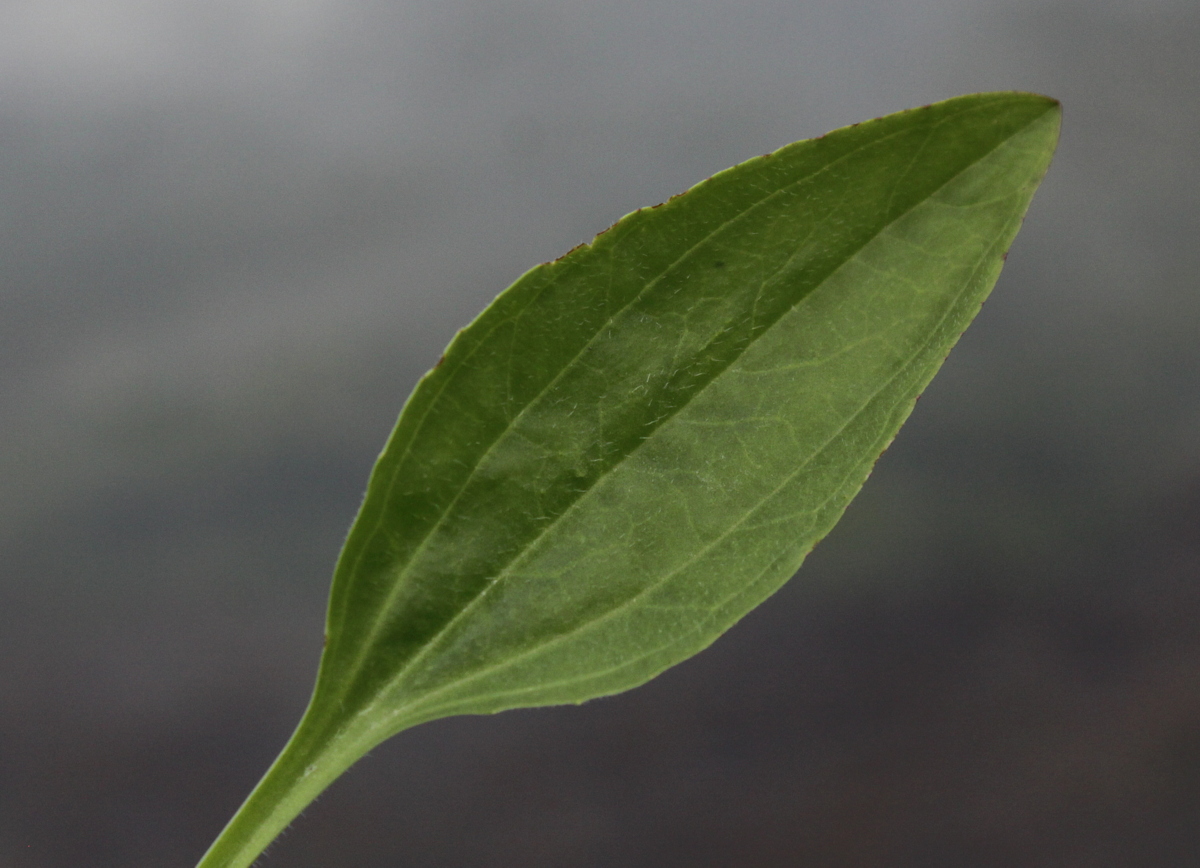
(233,236)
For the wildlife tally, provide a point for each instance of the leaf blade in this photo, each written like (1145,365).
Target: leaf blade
(655,326)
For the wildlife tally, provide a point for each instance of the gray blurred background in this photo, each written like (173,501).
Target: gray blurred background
(235,233)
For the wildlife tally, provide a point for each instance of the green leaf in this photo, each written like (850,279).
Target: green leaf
(637,443)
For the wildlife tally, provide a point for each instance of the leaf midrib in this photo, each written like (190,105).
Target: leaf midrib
(432,641)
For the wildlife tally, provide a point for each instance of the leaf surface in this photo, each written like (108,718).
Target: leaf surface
(637,443)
